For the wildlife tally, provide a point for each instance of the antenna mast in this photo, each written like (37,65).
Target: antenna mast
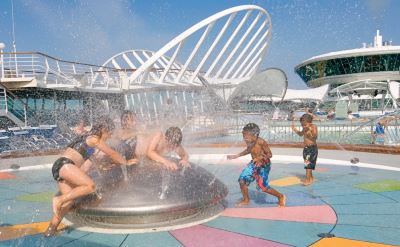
(13,27)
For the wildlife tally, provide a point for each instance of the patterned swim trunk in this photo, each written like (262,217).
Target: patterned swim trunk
(256,173)
(310,154)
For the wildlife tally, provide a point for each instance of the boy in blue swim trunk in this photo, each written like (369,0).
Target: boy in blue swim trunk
(259,167)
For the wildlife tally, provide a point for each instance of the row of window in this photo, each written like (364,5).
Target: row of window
(349,65)
(149,105)
(361,105)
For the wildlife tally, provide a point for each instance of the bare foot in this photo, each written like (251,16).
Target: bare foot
(282,201)
(56,206)
(242,203)
(307,182)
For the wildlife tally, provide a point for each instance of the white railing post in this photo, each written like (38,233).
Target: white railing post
(47,70)
(33,64)
(58,70)
(5,99)
(25,116)
(92,76)
(2,62)
(16,65)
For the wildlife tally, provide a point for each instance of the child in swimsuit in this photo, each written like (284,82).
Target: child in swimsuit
(72,180)
(310,151)
(161,144)
(259,167)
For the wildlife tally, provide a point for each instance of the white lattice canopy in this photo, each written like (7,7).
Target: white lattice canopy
(227,47)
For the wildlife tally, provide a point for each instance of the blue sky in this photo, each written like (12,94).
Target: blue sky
(94,30)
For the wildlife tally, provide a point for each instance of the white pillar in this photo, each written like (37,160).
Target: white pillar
(2,46)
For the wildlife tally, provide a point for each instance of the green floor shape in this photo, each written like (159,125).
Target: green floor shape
(380,186)
(36,197)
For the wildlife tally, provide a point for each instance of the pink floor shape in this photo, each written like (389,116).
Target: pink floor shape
(207,236)
(316,214)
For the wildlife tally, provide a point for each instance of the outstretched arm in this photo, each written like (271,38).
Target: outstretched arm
(244,152)
(102,146)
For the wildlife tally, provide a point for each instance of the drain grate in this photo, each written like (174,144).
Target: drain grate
(15,166)
(326,235)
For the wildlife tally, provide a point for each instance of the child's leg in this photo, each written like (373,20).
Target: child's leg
(281,197)
(311,176)
(245,193)
(73,175)
(262,182)
(56,220)
(245,178)
(308,180)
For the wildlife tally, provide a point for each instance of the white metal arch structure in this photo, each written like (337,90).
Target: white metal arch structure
(127,62)
(227,47)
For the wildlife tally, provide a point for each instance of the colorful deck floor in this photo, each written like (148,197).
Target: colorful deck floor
(358,206)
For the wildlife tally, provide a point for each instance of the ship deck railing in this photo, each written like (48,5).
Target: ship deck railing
(50,71)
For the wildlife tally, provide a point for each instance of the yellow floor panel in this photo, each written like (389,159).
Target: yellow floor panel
(18,231)
(287,181)
(343,242)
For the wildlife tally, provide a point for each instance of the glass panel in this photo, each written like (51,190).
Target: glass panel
(352,65)
(321,66)
(330,68)
(360,64)
(375,104)
(31,103)
(384,61)
(397,63)
(375,63)
(349,65)
(189,102)
(49,104)
(345,66)
(392,62)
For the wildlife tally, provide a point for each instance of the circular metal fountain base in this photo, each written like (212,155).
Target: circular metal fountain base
(152,198)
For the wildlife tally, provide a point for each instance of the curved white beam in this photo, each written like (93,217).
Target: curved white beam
(127,62)
(200,51)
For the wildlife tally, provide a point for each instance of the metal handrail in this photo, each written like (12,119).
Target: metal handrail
(50,70)
(11,98)
(279,131)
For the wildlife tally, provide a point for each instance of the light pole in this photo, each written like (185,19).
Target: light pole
(2,46)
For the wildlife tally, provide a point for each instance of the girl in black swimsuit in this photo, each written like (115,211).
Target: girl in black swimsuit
(72,180)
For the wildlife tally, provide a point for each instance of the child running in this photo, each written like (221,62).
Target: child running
(259,167)
(310,151)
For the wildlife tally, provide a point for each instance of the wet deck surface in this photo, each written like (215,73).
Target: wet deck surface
(354,205)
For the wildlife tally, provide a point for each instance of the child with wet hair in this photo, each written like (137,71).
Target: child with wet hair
(258,168)
(68,170)
(127,135)
(310,150)
(161,144)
